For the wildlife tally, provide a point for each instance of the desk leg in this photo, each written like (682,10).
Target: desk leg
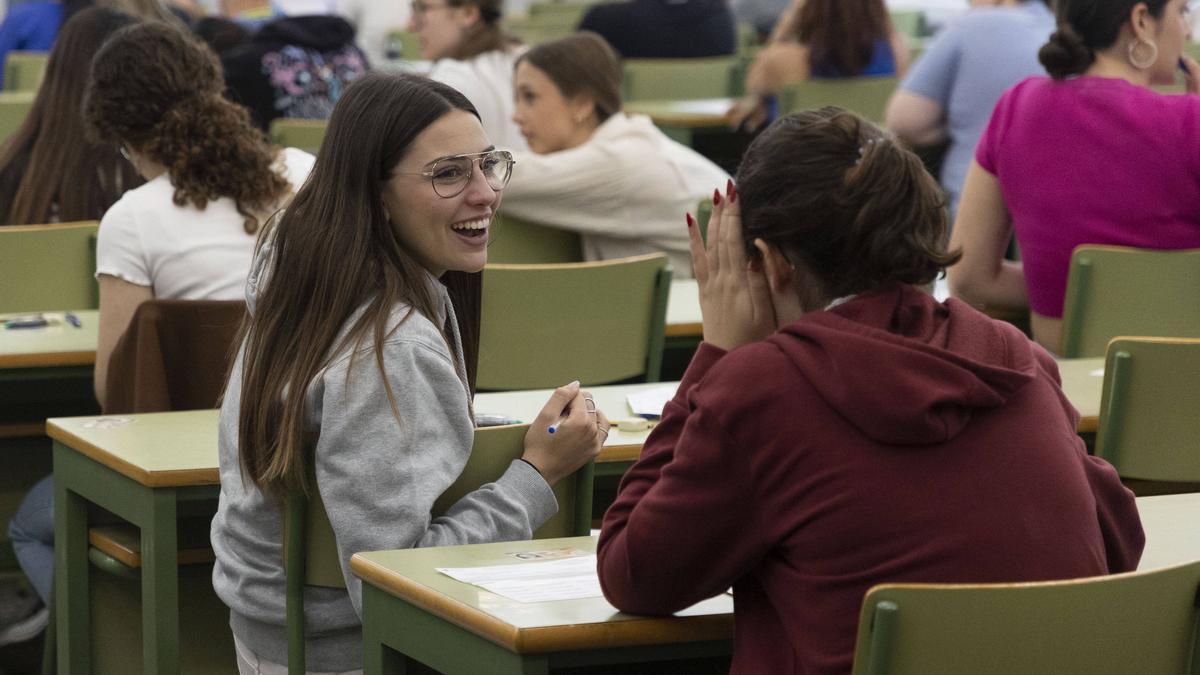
(160,585)
(71,578)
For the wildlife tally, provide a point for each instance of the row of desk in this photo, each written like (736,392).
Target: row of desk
(149,469)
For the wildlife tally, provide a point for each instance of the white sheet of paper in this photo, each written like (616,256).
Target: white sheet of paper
(566,579)
(651,401)
(1099,372)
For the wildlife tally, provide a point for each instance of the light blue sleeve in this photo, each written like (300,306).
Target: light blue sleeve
(933,75)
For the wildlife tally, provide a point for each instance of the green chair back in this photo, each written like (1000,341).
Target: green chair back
(1141,623)
(569,13)
(290,132)
(682,79)
(310,552)
(407,43)
(516,241)
(494,450)
(704,212)
(24,71)
(597,322)
(910,23)
(14,108)
(535,30)
(1149,426)
(48,267)
(867,96)
(1114,290)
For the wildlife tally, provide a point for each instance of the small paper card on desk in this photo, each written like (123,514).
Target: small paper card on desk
(566,579)
(650,403)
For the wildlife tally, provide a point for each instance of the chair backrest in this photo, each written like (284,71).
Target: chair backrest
(597,322)
(1150,409)
(23,71)
(1114,290)
(409,47)
(14,107)
(867,96)
(48,267)
(535,30)
(910,23)
(569,13)
(173,356)
(310,552)
(1142,622)
(682,79)
(290,132)
(516,241)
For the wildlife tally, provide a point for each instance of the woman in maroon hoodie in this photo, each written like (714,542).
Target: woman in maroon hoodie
(839,427)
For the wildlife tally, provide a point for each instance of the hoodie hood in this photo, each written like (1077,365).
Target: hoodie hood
(905,369)
(320,32)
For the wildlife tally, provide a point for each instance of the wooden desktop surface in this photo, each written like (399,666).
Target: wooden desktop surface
(683,309)
(530,627)
(172,449)
(59,344)
(1082,382)
(693,114)
(1172,534)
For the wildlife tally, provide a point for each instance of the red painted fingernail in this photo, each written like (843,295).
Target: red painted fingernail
(716,197)
(733,195)
(728,187)
(691,223)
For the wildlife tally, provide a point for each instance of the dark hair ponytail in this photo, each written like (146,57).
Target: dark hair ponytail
(835,192)
(1085,26)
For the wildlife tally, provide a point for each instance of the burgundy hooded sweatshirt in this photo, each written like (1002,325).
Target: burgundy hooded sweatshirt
(889,439)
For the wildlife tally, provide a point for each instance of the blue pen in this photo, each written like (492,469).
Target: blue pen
(557,423)
(73,320)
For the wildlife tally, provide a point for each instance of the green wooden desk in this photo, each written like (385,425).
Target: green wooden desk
(681,119)
(412,611)
(1172,535)
(1082,382)
(148,469)
(44,372)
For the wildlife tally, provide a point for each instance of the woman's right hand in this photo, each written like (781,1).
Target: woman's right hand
(748,113)
(580,432)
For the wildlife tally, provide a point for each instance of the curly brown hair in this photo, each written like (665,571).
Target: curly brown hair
(159,91)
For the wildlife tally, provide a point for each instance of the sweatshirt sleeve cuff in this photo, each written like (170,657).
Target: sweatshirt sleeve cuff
(533,491)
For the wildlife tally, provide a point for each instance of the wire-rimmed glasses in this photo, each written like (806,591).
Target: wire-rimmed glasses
(451,175)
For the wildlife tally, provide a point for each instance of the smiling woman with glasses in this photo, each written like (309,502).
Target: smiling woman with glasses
(363,335)
(474,56)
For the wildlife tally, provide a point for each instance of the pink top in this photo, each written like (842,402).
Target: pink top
(1092,160)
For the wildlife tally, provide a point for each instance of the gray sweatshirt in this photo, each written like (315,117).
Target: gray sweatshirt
(378,480)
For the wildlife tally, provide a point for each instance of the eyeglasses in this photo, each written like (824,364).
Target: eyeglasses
(451,175)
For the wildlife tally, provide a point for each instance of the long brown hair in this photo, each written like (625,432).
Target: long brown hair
(581,64)
(334,251)
(161,92)
(49,162)
(842,33)
(833,191)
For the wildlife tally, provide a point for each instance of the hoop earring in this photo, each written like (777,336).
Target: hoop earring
(1145,63)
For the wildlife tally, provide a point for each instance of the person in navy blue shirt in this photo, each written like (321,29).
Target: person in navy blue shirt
(664,28)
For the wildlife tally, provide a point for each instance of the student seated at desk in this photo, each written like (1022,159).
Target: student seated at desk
(1089,155)
(839,427)
(614,178)
(49,170)
(359,357)
(212,179)
(822,39)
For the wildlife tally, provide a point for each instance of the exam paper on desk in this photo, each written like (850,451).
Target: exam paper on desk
(566,579)
(650,403)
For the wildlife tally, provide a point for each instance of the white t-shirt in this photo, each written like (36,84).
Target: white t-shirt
(487,82)
(626,190)
(182,252)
